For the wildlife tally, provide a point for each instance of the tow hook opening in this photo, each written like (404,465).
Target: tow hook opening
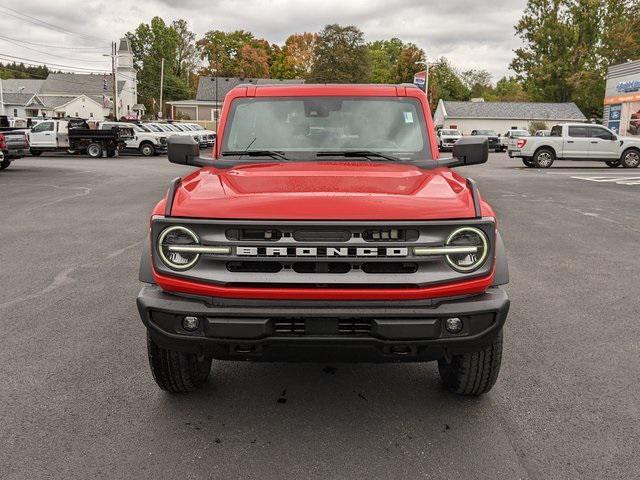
(401,350)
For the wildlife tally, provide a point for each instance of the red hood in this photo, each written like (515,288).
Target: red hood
(324,191)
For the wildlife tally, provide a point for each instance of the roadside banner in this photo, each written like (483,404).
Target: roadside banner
(420,79)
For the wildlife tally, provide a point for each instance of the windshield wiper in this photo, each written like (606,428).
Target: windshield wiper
(368,154)
(256,153)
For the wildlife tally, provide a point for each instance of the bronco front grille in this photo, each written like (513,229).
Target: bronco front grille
(321,254)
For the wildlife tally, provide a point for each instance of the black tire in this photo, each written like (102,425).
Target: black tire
(473,373)
(111,153)
(71,151)
(177,372)
(630,158)
(94,150)
(147,149)
(35,153)
(5,164)
(528,162)
(613,163)
(544,158)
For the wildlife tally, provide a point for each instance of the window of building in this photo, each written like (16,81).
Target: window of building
(15,112)
(90,114)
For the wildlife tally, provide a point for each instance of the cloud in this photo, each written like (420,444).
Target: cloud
(471,34)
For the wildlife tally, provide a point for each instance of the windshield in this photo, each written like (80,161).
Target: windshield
(308,127)
(154,128)
(144,128)
(450,132)
(195,126)
(485,132)
(180,128)
(169,128)
(519,133)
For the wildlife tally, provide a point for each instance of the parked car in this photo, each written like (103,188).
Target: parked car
(447,138)
(170,130)
(492,138)
(209,135)
(14,142)
(74,135)
(578,141)
(144,141)
(317,245)
(510,138)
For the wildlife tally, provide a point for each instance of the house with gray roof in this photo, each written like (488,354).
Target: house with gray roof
(210,96)
(87,96)
(502,116)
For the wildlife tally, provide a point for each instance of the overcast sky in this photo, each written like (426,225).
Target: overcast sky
(472,34)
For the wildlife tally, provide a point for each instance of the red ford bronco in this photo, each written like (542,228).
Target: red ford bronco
(325,228)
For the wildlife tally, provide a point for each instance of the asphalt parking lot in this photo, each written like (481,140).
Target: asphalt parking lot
(78,400)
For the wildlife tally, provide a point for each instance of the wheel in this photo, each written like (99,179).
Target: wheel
(472,373)
(5,164)
(71,151)
(543,158)
(528,162)
(111,153)
(177,372)
(35,153)
(94,150)
(630,158)
(613,163)
(147,149)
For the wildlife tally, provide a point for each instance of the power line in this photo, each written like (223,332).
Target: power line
(51,26)
(12,57)
(47,53)
(60,47)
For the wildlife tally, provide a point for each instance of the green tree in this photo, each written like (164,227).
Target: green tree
(411,60)
(445,83)
(383,59)
(235,54)
(20,70)
(295,58)
(150,44)
(340,56)
(568,45)
(478,82)
(510,89)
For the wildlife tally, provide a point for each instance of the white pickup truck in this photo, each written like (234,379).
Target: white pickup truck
(577,141)
(145,141)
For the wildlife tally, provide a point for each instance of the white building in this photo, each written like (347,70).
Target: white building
(88,96)
(502,116)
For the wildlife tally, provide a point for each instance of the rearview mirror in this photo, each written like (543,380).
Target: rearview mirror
(184,151)
(470,151)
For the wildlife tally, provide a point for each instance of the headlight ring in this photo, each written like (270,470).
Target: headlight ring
(469,262)
(179,236)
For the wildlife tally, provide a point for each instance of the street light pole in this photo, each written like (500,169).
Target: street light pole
(161,85)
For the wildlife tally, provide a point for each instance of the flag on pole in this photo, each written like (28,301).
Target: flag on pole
(420,79)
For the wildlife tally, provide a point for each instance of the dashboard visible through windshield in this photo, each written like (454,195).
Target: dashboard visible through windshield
(306,128)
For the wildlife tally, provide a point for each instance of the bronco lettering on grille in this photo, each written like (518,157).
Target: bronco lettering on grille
(322,251)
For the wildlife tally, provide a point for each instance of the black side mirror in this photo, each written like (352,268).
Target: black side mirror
(184,151)
(470,151)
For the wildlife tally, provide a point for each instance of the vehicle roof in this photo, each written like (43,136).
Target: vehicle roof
(383,90)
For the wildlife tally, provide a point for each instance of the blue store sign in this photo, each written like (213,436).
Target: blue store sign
(615,112)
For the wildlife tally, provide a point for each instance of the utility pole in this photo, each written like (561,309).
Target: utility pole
(161,85)
(1,98)
(114,73)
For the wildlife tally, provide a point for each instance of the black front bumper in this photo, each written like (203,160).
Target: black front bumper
(321,331)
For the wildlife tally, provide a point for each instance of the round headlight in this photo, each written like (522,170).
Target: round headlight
(468,237)
(177,236)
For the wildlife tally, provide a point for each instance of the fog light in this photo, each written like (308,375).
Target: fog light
(453,325)
(190,324)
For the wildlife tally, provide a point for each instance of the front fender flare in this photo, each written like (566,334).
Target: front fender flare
(145,274)
(501,276)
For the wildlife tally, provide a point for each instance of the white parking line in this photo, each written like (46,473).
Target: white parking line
(617,180)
